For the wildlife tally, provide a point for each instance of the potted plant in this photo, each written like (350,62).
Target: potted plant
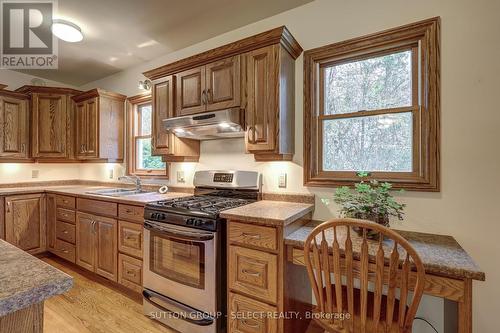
(369,200)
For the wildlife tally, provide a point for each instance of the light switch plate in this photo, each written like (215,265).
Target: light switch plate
(282,180)
(35,173)
(111,173)
(180,177)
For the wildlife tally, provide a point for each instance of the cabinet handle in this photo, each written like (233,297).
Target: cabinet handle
(130,238)
(85,148)
(204,97)
(251,129)
(23,147)
(82,149)
(250,272)
(254,236)
(8,206)
(65,201)
(93,226)
(246,323)
(65,251)
(209,96)
(128,211)
(65,231)
(129,272)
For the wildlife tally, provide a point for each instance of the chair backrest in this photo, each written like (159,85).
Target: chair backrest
(391,261)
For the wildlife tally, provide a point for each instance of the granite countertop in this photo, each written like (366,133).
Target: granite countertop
(269,212)
(441,255)
(26,280)
(81,191)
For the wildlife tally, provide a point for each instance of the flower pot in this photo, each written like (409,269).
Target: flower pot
(382,219)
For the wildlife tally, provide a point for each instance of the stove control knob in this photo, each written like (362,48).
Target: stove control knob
(198,222)
(162,216)
(189,221)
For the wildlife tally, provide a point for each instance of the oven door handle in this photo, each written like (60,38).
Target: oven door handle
(178,310)
(184,235)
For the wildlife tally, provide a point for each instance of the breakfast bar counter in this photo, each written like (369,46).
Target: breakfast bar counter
(449,269)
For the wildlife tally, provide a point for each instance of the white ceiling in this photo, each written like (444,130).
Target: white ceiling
(123,33)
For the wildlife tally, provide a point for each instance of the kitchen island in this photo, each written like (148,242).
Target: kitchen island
(25,283)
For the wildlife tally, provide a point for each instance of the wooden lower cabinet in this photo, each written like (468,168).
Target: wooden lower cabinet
(130,238)
(51,222)
(249,316)
(96,244)
(130,272)
(25,222)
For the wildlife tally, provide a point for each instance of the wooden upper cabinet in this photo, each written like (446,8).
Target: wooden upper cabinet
(163,108)
(270,103)
(190,91)
(223,84)
(212,87)
(25,222)
(14,126)
(261,99)
(49,122)
(100,121)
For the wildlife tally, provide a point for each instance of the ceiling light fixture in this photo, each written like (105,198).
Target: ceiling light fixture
(145,85)
(67,31)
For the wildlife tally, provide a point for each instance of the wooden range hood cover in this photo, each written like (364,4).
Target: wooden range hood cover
(279,35)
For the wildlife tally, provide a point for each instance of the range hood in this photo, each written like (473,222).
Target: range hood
(209,125)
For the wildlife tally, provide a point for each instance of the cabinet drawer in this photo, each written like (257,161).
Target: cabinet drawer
(130,272)
(253,273)
(248,234)
(130,240)
(65,231)
(65,250)
(132,213)
(243,320)
(97,207)
(66,215)
(65,201)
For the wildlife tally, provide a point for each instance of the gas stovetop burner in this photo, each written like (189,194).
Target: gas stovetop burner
(205,204)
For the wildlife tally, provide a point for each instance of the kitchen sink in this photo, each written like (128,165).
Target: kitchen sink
(117,192)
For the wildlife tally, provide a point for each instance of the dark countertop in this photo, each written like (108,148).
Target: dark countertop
(269,212)
(26,280)
(441,255)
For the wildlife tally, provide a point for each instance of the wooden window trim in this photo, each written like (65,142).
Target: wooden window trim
(426,159)
(132,104)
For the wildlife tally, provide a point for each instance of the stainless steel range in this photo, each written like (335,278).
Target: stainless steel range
(184,261)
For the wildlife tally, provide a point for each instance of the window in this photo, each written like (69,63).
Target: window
(141,162)
(372,104)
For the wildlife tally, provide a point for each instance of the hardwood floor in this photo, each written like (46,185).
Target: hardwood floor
(95,306)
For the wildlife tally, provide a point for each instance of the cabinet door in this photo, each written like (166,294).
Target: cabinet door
(14,131)
(223,84)
(85,241)
(190,91)
(49,125)
(51,221)
(106,263)
(25,222)
(261,88)
(163,107)
(81,129)
(91,146)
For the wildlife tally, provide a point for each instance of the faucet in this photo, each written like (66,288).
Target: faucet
(134,179)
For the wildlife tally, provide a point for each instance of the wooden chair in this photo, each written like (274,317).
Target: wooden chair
(389,261)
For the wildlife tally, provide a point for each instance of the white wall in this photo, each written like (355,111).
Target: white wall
(465,208)
(15,80)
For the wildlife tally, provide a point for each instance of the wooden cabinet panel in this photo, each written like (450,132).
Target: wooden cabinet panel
(107,251)
(66,215)
(253,273)
(65,201)
(131,213)
(85,241)
(262,101)
(130,272)
(190,91)
(81,129)
(50,117)
(163,108)
(130,238)
(254,235)
(92,127)
(97,207)
(65,250)
(65,231)
(51,222)
(223,84)
(25,222)
(14,128)
(242,322)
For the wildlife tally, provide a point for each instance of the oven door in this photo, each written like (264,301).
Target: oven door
(180,263)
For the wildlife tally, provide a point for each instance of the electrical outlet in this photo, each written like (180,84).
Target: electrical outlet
(35,173)
(282,180)
(180,177)
(111,173)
